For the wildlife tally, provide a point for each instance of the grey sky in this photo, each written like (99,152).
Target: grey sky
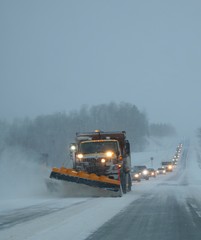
(58,55)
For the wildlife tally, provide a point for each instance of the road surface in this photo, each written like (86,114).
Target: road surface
(172,210)
(167,207)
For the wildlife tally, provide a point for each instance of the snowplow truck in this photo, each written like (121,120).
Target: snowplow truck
(101,160)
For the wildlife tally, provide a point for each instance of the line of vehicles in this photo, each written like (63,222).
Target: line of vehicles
(140,172)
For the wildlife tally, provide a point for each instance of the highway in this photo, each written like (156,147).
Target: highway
(169,211)
(167,207)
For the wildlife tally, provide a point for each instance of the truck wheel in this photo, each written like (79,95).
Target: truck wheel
(120,191)
(123,182)
(129,183)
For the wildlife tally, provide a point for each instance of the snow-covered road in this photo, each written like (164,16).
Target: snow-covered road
(47,217)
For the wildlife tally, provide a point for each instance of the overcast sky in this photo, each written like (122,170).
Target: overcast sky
(57,55)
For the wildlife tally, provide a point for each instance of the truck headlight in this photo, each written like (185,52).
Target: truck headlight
(72,147)
(109,154)
(80,155)
(103,160)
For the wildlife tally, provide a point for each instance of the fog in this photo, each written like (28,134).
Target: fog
(21,175)
(58,55)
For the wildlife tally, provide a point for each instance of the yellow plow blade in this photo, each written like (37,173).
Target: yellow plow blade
(101,184)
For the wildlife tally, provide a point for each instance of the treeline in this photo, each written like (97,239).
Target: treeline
(161,130)
(50,135)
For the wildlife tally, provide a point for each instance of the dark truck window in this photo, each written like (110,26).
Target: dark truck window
(97,147)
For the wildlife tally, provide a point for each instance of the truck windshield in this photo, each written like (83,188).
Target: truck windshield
(97,147)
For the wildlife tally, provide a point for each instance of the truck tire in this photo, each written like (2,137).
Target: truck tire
(129,182)
(123,181)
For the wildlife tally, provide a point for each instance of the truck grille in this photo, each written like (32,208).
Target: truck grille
(93,165)
(92,161)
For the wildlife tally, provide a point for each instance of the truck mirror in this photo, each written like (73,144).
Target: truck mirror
(127,147)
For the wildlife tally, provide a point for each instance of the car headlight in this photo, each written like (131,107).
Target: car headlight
(136,175)
(145,172)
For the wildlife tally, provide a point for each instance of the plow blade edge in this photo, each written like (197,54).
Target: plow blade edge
(107,186)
